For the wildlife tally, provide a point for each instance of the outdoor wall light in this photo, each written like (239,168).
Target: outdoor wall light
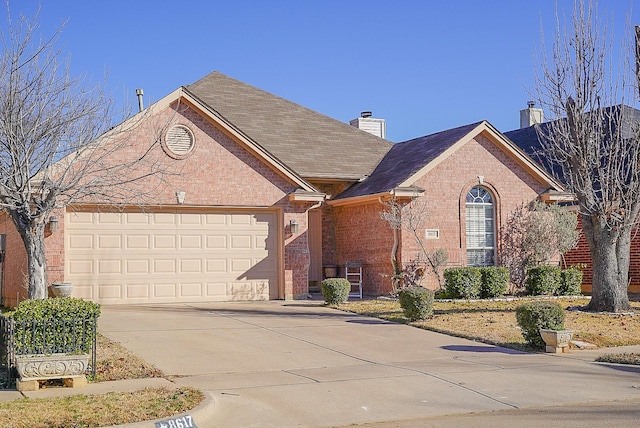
(293,226)
(53,224)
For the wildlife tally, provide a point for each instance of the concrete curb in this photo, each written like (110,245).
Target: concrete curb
(200,414)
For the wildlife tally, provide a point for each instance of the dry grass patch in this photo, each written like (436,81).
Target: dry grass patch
(81,411)
(114,362)
(494,322)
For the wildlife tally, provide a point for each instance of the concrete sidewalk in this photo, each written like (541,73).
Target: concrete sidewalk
(281,364)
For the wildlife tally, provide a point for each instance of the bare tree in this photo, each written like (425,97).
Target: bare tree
(594,144)
(50,153)
(411,217)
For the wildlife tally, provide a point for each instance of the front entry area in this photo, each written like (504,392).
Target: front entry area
(165,256)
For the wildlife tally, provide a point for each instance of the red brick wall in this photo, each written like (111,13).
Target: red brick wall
(362,235)
(581,255)
(218,172)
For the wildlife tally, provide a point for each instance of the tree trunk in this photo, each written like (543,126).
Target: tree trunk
(33,239)
(610,254)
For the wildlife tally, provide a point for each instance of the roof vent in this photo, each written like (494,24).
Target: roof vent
(179,141)
(366,114)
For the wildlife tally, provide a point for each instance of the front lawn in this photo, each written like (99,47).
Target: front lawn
(494,321)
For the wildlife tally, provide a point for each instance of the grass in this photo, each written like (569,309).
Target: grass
(81,411)
(494,322)
(114,362)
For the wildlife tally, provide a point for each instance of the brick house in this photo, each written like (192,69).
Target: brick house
(268,193)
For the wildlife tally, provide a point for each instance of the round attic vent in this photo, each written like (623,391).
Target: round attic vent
(179,140)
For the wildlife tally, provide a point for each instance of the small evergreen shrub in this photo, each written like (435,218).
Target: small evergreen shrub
(335,290)
(416,302)
(570,282)
(495,281)
(533,316)
(54,325)
(463,282)
(543,280)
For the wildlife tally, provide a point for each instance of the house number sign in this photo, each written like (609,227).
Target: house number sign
(179,422)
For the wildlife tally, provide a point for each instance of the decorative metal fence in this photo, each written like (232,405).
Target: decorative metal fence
(44,337)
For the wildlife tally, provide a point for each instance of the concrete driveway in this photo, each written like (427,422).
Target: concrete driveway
(286,364)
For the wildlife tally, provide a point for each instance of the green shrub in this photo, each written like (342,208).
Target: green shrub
(335,290)
(54,325)
(543,280)
(533,316)
(463,282)
(495,281)
(570,282)
(416,302)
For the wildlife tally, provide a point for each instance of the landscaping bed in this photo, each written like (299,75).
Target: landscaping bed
(494,321)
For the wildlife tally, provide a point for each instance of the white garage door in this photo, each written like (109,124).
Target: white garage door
(135,257)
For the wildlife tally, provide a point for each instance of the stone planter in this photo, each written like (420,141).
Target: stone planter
(54,366)
(62,289)
(34,367)
(556,340)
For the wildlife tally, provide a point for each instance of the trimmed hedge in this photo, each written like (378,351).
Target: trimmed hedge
(335,290)
(532,316)
(54,325)
(543,280)
(495,281)
(416,302)
(570,282)
(463,282)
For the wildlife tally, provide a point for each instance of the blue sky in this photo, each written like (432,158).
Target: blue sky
(423,65)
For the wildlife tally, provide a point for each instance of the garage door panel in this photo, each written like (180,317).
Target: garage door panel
(164,266)
(137,291)
(164,290)
(137,267)
(110,292)
(163,257)
(138,242)
(191,290)
(110,267)
(109,218)
(137,218)
(164,242)
(190,242)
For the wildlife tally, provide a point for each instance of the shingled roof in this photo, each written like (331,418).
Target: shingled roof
(406,159)
(529,141)
(311,144)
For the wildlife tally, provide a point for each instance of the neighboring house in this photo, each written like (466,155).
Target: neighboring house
(268,193)
(527,139)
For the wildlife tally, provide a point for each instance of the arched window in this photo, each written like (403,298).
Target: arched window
(480,227)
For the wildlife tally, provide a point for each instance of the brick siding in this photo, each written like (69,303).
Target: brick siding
(219,172)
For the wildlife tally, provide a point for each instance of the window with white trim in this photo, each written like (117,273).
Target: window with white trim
(480,227)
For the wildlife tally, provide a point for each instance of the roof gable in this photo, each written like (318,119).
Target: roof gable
(408,161)
(311,144)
